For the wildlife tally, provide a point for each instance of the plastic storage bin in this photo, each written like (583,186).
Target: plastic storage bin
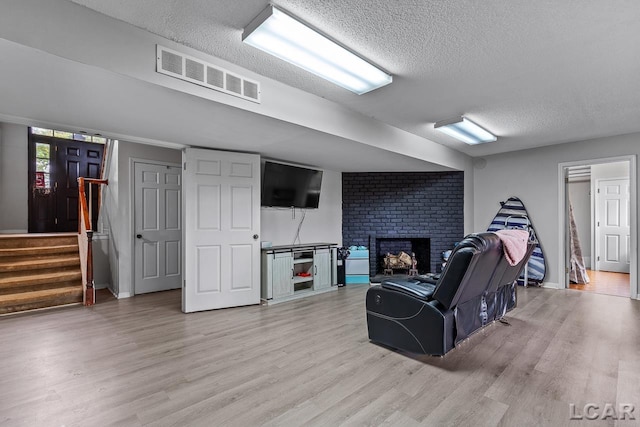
(357,265)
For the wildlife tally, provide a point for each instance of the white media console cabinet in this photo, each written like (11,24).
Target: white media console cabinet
(296,271)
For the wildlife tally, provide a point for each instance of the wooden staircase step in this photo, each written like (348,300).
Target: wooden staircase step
(39,299)
(40,279)
(40,287)
(39,270)
(8,241)
(38,251)
(37,264)
(21,274)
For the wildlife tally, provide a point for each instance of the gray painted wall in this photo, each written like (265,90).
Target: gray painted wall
(278,226)
(532,175)
(14,178)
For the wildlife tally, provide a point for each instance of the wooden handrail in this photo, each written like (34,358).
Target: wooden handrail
(85,237)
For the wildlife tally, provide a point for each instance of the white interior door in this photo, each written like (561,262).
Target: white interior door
(221,229)
(157,227)
(613,225)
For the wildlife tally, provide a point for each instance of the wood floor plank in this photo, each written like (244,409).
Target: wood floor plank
(141,362)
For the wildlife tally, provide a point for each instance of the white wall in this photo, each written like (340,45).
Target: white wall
(119,208)
(14,178)
(320,225)
(532,175)
(111,213)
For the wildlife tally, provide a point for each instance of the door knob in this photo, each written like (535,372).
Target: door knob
(138,236)
(255,237)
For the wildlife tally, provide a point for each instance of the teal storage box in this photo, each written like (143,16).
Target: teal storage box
(357,265)
(356,279)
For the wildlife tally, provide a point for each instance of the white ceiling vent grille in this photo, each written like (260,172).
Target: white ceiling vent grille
(170,62)
(215,77)
(234,84)
(194,70)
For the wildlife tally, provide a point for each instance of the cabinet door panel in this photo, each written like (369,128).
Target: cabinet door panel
(282,275)
(322,269)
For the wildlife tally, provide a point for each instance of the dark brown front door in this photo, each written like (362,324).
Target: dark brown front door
(54,167)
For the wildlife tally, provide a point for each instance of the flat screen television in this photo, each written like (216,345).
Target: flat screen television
(290,186)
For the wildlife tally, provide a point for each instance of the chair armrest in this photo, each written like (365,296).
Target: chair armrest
(431,278)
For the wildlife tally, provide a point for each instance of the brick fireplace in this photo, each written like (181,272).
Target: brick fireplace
(385,208)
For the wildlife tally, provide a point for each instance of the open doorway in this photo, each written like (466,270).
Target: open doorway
(598,226)
(56,160)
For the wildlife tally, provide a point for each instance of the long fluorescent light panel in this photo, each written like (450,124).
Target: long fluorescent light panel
(465,130)
(286,37)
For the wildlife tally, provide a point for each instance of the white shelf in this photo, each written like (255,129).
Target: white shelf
(302,260)
(301,279)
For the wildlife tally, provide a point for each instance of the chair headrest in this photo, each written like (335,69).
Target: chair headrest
(470,269)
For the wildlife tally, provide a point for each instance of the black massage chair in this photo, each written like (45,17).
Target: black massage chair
(428,316)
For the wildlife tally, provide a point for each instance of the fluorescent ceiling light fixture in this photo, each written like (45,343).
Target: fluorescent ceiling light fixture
(286,37)
(465,130)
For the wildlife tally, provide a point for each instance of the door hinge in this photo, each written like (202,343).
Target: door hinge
(566,269)
(598,224)
(185,166)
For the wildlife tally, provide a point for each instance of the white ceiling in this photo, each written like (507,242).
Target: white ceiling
(534,72)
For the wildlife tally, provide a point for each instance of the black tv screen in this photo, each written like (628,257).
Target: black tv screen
(290,186)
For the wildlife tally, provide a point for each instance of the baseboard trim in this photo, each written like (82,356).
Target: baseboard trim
(551,285)
(20,231)
(123,295)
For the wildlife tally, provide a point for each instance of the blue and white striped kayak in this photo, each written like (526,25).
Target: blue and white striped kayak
(512,215)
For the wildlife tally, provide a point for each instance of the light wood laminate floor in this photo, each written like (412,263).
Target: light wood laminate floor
(605,282)
(140,361)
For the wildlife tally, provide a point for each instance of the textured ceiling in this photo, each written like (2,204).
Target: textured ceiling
(533,72)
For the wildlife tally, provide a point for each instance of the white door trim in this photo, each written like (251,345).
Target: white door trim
(562,228)
(132,216)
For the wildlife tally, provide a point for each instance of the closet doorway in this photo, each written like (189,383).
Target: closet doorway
(598,219)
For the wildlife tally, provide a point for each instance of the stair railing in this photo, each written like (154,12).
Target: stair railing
(85,235)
